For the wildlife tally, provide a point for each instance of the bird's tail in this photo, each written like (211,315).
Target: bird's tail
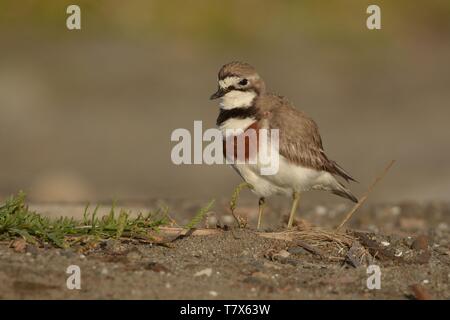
(342,191)
(340,171)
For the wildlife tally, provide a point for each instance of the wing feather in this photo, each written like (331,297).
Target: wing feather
(300,140)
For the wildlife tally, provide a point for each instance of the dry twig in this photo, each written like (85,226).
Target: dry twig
(365,196)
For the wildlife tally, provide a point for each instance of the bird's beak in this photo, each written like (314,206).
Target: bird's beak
(218,94)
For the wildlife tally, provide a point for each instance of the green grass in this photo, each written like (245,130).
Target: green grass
(17,220)
(200,215)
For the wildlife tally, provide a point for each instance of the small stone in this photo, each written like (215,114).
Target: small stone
(284,254)
(211,222)
(205,272)
(321,210)
(354,254)
(385,243)
(396,210)
(19,245)
(271,265)
(213,293)
(104,271)
(82,256)
(442,226)
(228,219)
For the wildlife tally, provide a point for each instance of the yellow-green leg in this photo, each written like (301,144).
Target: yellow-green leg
(295,201)
(262,204)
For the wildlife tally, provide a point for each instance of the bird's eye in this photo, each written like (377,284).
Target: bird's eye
(243,82)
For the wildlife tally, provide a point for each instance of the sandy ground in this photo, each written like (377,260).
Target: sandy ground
(240,264)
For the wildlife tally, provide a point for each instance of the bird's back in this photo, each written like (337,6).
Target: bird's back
(300,140)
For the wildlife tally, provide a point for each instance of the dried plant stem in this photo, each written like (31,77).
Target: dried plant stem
(241,222)
(170,231)
(366,195)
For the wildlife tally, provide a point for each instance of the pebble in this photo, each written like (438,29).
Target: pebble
(211,222)
(283,254)
(213,293)
(321,210)
(396,210)
(442,226)
(205,272)
(228,220)
(20,245)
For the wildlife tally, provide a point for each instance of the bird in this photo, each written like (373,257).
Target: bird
(303,164)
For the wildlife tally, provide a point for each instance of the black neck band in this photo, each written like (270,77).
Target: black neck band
(237,113)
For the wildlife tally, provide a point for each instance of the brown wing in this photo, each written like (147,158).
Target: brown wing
(300,141)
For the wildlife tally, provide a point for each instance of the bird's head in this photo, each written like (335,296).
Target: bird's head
(239,84)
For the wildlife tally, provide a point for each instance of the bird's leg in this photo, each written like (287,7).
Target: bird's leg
(295,200)
(262,204)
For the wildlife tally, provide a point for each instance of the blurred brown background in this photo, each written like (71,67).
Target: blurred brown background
(87,115)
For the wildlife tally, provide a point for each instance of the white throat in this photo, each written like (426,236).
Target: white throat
(237,99)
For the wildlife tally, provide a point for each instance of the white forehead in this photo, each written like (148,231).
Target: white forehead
(228,81)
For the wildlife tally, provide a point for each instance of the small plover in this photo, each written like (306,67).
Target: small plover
(303,164)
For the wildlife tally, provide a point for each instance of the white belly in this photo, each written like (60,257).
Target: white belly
(289,178)
(262,186)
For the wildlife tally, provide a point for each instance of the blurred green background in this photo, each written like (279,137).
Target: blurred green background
(87,115)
